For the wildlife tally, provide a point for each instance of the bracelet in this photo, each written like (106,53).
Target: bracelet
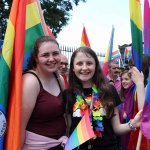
(132,126)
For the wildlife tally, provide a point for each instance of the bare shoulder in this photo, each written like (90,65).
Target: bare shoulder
(31,82)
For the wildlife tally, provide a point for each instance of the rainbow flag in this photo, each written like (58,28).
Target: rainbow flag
(50,33)
(108,55)
(24,26)
(136,32)
(82,133)
(11,72)
(146,27)
(34,27)
(127,54)
(145,125)
(116,55)
(84,39)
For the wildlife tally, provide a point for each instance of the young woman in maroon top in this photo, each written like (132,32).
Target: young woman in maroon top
(42,105)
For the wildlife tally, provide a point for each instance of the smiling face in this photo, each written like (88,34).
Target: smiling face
(84,68)
(48,58)
(126,80)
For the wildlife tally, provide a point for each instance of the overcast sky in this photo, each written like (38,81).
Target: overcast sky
(98,16)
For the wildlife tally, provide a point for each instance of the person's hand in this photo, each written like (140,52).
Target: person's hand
(137,119)
(137,76)
(124,115)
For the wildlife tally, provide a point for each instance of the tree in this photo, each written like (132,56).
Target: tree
(56,13)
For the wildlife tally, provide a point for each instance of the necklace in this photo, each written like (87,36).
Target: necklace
(94,104)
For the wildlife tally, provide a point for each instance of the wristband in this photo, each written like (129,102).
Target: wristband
(132,126)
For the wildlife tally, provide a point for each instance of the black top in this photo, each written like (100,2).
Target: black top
(108,140)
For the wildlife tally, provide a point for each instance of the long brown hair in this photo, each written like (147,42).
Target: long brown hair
(98,79)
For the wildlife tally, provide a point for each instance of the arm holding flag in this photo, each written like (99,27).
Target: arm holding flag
(138,79)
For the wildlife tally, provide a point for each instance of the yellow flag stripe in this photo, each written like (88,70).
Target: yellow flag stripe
(34,19)
(135,13)
(8,43)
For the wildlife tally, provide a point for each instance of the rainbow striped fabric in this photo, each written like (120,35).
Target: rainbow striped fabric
(145,125)
(24,27)
(127,54)
(84,39)
(82,133)
(146,27)
(136,32)
(108,55)
(11,73)
(34,28)
(116,55)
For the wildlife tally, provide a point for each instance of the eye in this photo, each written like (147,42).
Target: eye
(56,53)
(45,55)
(89,63)
(79,63)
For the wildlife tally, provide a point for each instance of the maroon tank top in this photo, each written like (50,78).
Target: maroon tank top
(47,118)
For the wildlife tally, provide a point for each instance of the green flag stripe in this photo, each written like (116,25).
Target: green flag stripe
(136,38)
(31,35)
(4,82)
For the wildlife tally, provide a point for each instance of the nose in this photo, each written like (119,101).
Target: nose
(84,66)
(50,58)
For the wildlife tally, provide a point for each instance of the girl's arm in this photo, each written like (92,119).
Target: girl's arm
(124,128)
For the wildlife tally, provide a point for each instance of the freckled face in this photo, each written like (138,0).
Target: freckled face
(126,80)
(48,58)
(84,67)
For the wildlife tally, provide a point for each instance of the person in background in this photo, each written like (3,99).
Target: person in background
(63,69)
(126,108)
(137,140)
(43,124)
(88,90)
(114,74)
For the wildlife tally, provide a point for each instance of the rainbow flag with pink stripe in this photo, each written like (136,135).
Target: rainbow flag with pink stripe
(146,27)
(108,55)
(82,133)
(145,125)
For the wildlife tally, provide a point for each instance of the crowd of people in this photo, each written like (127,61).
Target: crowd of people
(56,96)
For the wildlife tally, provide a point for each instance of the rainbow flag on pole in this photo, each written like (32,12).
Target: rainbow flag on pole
(136,32)
(146,27)
(24,27)
(116,55)
(84,39)
(127,54)
(82,133)
(11,72)
(145,125)
(108,54)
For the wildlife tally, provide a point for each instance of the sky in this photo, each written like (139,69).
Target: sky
(98,17)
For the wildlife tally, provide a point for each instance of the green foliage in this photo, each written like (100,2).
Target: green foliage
(56,13)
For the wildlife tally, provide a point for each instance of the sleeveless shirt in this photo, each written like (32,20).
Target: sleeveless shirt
(47,118)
